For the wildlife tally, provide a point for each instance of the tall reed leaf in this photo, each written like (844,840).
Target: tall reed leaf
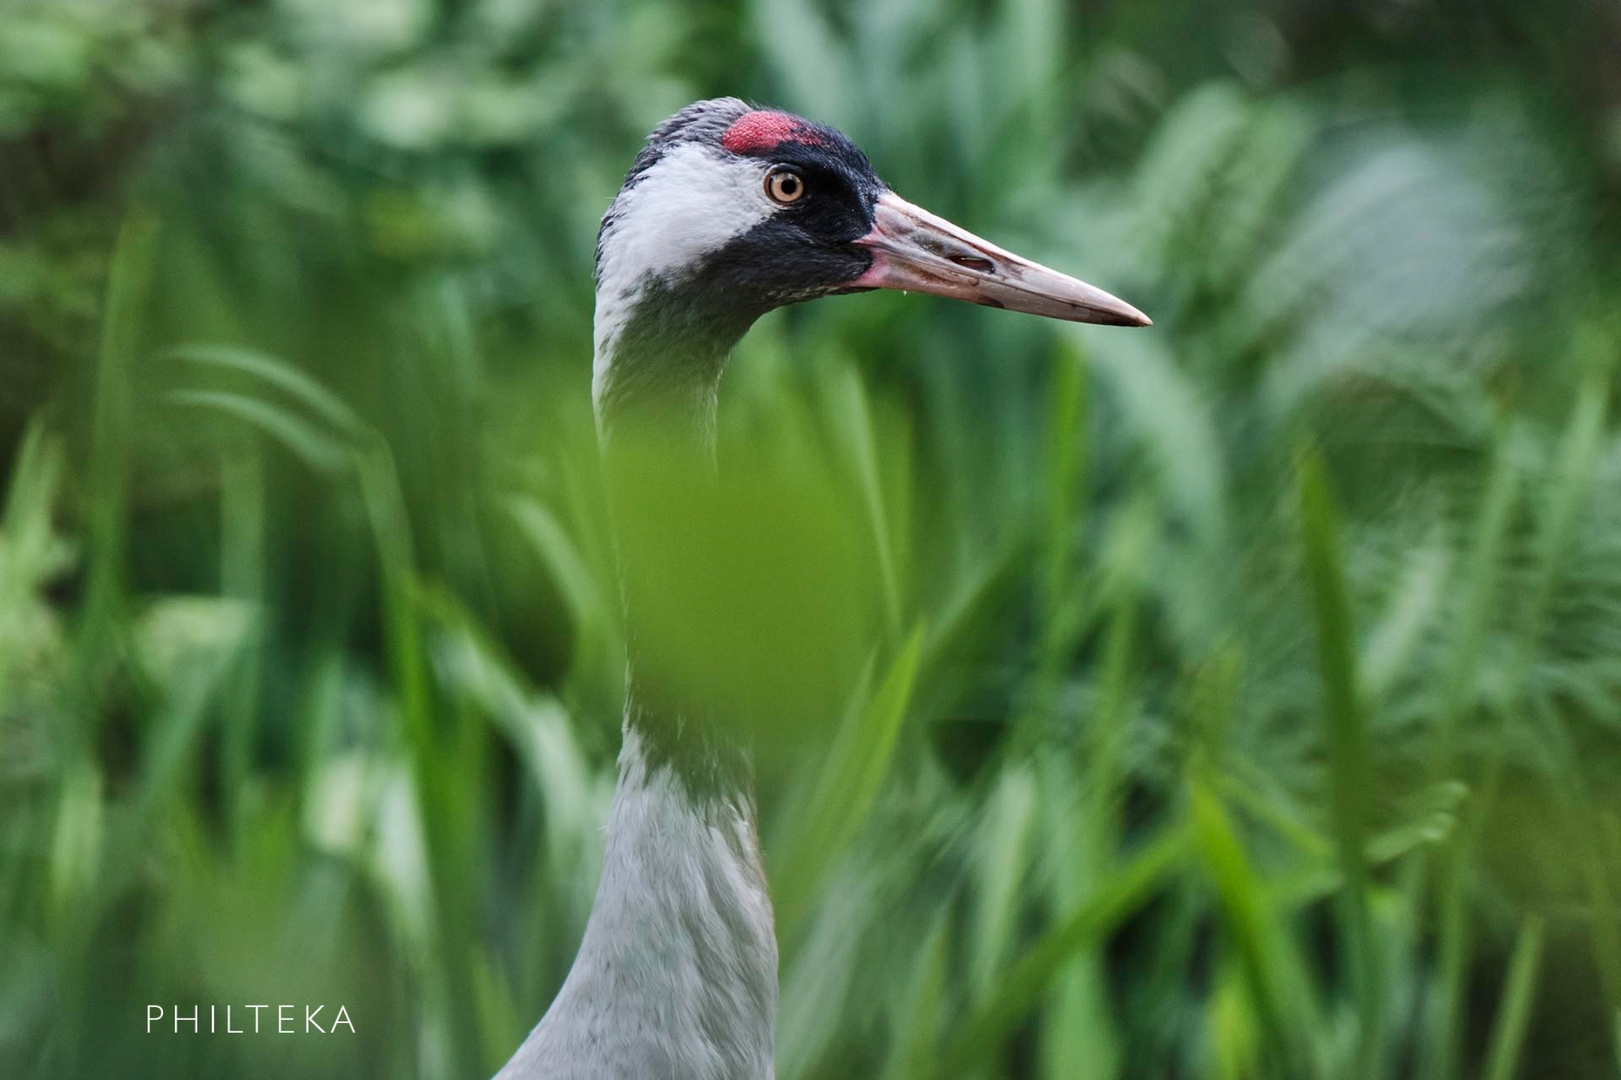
(1350,769)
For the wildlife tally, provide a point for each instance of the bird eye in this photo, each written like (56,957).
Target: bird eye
(784,185)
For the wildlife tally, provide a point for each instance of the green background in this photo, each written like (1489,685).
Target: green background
(1236,698)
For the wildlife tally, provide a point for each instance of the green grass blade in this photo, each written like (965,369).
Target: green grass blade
(1282,989)
(292,432)
(1474,620)
(1605,853)
(1137,880)
(1514,1008)
(847,785)
(280,375)
(1350,769)
(1443,1014)
(114,409)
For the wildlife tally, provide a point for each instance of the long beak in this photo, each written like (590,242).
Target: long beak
(915,250)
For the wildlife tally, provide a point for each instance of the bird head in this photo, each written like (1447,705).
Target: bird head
(730,211)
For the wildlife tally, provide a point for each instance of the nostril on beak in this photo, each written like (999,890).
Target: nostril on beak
(974,262)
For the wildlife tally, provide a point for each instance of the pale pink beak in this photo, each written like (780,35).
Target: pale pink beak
(917,251)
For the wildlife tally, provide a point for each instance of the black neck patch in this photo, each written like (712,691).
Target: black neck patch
(712,763)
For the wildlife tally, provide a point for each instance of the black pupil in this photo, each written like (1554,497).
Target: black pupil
(788,185)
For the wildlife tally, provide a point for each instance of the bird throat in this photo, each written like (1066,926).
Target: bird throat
(656,407)
(659,369)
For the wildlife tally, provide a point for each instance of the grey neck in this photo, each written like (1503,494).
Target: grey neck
(656,406)
(677,974)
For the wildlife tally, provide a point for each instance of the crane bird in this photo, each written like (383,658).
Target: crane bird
(728,212)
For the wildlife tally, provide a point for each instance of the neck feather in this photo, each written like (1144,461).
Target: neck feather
(677,975)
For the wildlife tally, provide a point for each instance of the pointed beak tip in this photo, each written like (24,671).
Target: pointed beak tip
(1125,315)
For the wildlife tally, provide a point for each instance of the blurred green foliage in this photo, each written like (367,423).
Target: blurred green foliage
(1238,698)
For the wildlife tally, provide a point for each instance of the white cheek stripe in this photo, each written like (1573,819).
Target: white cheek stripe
(689,204)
